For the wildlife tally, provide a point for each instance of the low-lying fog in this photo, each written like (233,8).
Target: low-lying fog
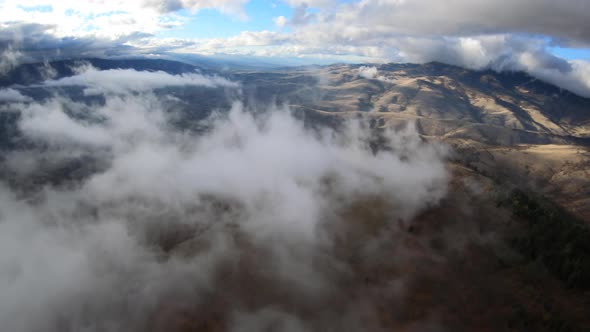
(249,224)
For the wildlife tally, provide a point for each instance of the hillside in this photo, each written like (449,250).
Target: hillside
(502,124)
(444,101)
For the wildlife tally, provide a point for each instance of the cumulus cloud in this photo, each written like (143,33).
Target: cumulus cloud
(301,15)
(175,221)
(572,75)
(98,82)
(111,19)
(367,72)
(36,30)
(280,21)
(372,18)
(372,73)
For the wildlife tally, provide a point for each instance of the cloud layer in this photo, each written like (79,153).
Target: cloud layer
(98,82)
(156,218)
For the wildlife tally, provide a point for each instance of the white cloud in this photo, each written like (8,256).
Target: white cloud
(256,184)
(9,58)
(50,123)
(12,95)
(121,81)
(575,79)
(368,72)
(109,18)
(280,21)
(369,19)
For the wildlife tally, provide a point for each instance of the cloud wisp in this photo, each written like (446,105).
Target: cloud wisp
(97,82)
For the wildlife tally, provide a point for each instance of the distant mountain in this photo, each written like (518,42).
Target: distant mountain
(485,115)
(444,101)
(507,125)
(32,73)
(224,62)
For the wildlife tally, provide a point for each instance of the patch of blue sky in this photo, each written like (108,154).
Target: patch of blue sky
(570,53)
(71,12)
(209,23)
(38,8)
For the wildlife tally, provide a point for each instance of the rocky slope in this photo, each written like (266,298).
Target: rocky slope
(443,101)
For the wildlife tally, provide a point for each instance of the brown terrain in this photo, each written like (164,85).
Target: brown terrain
(452,268)
(477,261)
(508,126)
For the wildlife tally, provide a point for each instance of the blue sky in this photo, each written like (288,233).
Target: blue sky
(210,23)
(571,53)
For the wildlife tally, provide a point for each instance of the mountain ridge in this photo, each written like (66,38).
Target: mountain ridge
(484,115)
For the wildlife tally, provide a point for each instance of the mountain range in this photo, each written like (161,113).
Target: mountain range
(506,249)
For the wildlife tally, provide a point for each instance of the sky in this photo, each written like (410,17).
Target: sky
(549,39)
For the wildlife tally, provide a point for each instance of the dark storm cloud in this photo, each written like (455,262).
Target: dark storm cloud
(566,20)
(35,42)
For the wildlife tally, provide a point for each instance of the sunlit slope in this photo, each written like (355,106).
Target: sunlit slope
(445,101)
